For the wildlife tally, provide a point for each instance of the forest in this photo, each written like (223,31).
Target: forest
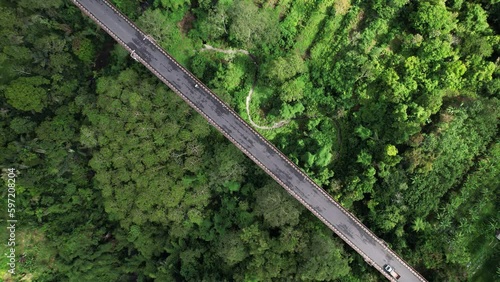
(392,106)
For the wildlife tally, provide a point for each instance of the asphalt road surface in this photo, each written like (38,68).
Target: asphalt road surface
(344,224)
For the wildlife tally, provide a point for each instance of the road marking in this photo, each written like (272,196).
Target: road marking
(270,145)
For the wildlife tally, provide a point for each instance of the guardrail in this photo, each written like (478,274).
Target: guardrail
(244,150)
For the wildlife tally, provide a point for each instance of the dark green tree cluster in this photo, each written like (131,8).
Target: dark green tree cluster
(399,99)
(47,72)
(391,106)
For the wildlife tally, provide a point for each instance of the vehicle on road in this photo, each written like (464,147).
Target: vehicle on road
(391,271)
(255,146)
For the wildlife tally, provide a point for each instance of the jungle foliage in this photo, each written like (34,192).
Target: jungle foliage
(393,108)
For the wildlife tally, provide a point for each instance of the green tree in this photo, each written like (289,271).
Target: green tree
(232,249)
(293,90)
(322,260)
(171,4)
(284,68)
(252,27)
(276,206)
(433,19)
(27,93)
(22,125)
(419,224)
(84,49)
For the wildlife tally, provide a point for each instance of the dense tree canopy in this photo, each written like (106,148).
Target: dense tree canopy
(390,105)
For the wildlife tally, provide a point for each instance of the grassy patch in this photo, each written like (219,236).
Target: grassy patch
(342,6)
(312,28)
(31,254)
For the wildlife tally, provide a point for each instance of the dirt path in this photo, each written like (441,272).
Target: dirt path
(249,97)
(226,51)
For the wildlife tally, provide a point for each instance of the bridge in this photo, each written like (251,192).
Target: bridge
(144,49)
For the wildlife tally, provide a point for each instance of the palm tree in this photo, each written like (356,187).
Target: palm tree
(419,224)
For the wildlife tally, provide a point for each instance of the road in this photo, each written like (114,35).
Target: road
(268,157)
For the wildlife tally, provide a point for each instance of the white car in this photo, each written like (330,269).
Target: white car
(391,271)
